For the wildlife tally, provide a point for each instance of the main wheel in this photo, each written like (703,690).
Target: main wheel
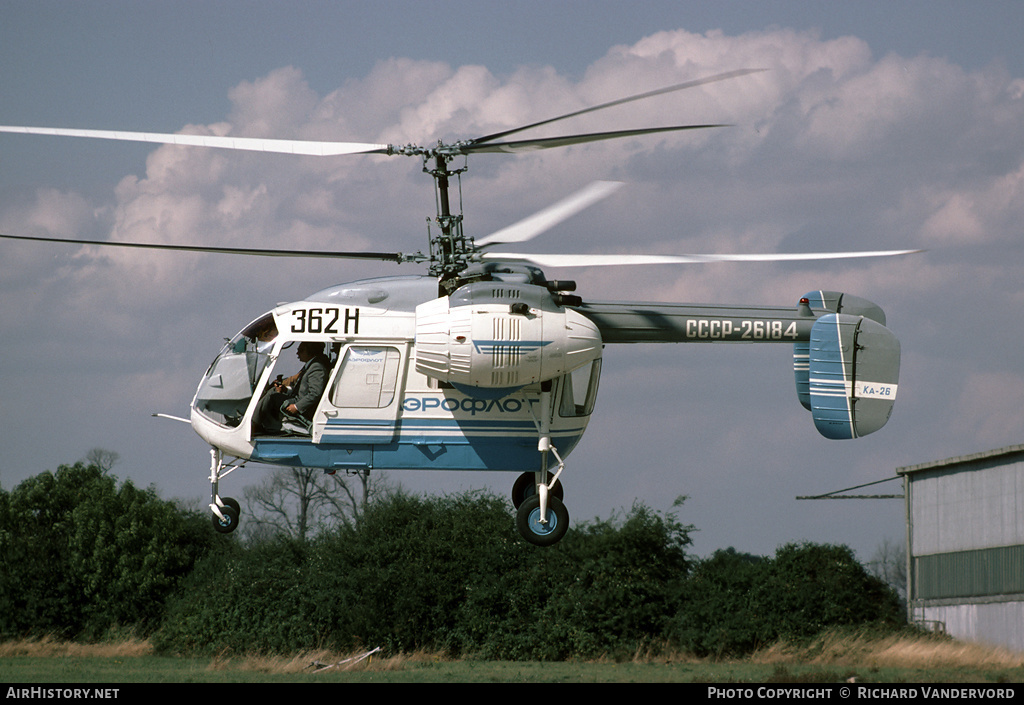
(526,485)
(530,527)
(230,521)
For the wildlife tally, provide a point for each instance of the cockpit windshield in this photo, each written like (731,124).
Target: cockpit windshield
(228,386)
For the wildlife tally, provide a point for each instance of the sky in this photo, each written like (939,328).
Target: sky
(876,125)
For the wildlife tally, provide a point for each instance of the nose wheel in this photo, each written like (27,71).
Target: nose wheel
(229,512)
(225,510)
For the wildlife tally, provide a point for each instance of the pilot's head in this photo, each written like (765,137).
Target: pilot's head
(309,349)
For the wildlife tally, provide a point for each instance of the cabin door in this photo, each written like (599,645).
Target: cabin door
(364,396)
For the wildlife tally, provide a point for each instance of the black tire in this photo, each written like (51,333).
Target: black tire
(230,521)
(526,485)
(530,528)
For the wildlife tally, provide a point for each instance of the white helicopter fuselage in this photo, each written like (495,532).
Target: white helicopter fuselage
(485,364)
(412,383)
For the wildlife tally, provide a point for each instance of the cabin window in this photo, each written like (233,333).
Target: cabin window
(367,378)
(579,390)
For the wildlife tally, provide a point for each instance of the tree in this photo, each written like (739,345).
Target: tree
(102,458)
(736,603)
(718,617)
(440,573)
(399,578)
(79,555)
(811,587)
(889,564)
(627,577)
(449,573)
(298,502)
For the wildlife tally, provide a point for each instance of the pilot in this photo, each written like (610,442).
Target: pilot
(297,395)
(264,333)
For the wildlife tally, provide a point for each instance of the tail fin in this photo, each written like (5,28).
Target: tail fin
(847,373)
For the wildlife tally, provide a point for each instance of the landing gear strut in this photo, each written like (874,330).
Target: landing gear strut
(526,486)
(541,517)
(226,510)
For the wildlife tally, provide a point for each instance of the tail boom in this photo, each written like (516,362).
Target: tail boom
(845,361)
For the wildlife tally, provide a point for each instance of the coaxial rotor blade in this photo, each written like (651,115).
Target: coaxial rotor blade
(548,142)
(620,101)
(537,223)
(382,256)
(589,260)
(252,144)
(329,148)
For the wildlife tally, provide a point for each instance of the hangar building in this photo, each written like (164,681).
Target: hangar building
(965,546)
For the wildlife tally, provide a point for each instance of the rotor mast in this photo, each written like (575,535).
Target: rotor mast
(449,251)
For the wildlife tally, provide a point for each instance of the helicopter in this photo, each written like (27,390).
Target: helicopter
(482,362)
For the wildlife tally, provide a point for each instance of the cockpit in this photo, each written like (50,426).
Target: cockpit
(360,376)
(228,386)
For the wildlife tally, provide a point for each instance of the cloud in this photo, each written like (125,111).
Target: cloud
(275,104)
(990,211)
(991,406)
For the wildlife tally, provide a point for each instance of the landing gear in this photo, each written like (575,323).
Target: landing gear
(541,517)
(228,519)
(526,486)
(226,510)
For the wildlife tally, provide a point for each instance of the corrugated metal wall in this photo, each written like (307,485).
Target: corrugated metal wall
(966,545)
(968,505)
(994,624)
(982,573)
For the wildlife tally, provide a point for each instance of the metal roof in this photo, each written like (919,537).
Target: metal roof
(961,460)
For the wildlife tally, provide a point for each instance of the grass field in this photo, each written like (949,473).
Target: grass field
(830,659)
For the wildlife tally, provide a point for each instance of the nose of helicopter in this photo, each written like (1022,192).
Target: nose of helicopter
(231,441)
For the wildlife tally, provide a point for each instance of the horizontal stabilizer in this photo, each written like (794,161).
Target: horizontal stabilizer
(832,302)
(853,374)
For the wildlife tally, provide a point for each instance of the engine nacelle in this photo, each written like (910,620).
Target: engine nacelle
(853,373)
(499,336)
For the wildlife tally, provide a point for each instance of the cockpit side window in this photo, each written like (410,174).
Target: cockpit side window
(579,390)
